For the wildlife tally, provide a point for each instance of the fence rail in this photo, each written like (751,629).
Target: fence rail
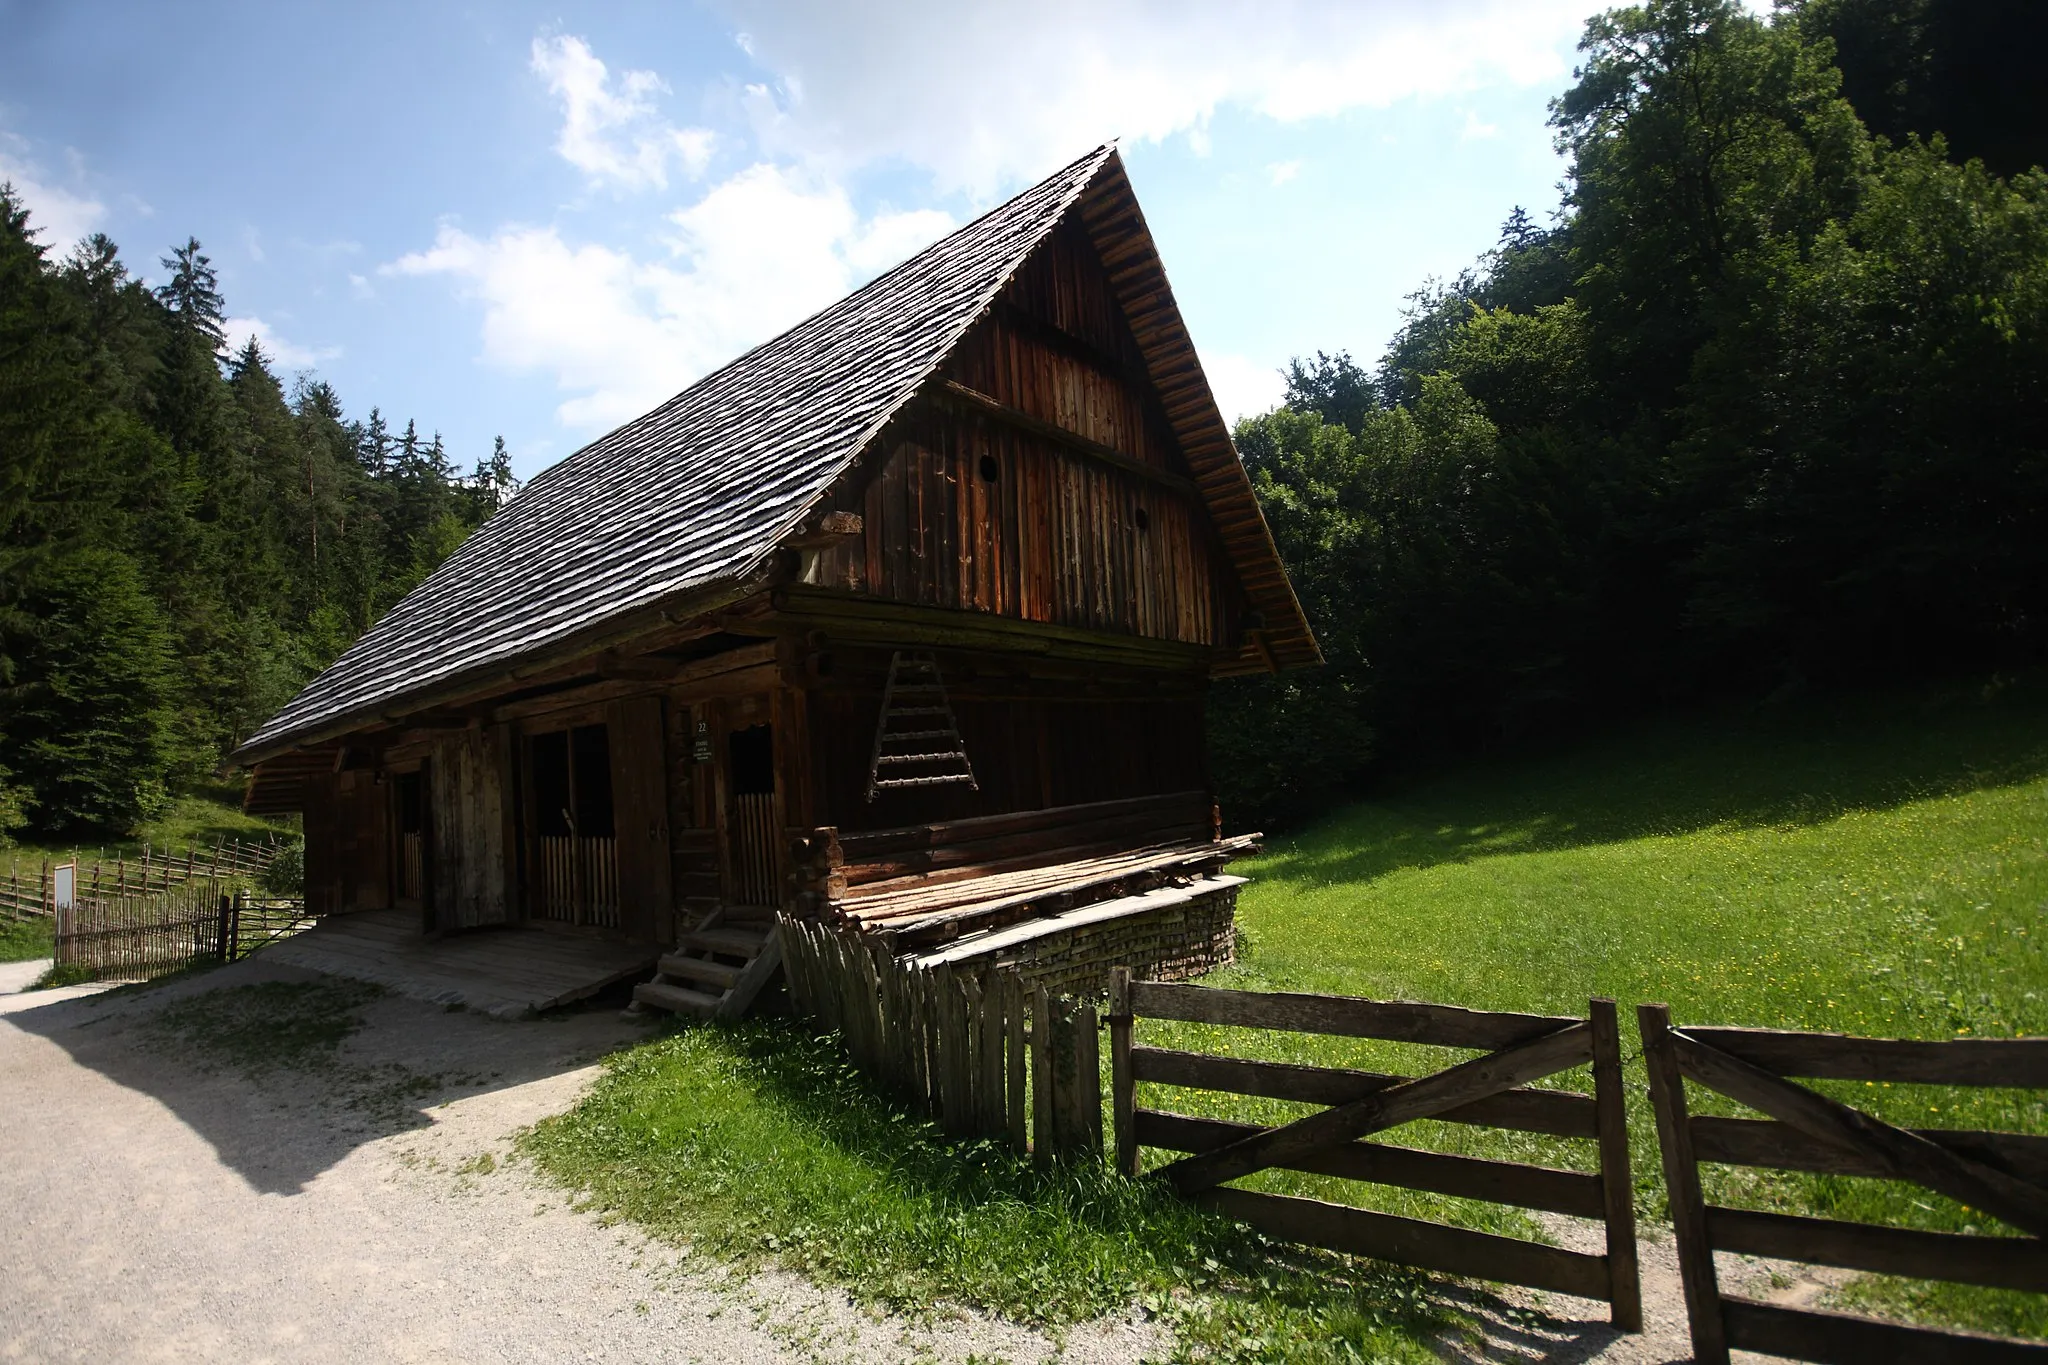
(1490,1090)
(2001,1174)
(31,894)
(980,1053)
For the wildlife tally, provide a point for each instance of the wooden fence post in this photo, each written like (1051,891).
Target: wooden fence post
(1122,1088)
(1682,1183)
(1617,1186)
(227,942)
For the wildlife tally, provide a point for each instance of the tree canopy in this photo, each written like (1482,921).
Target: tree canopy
(187,538)
(1766,407)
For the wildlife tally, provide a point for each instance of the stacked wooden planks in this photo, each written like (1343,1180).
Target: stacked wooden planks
(927,884)
(982,1055)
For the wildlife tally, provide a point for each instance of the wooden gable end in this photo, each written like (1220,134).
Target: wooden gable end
(1037,477)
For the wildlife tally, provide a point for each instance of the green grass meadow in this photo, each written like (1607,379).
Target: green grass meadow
(1879,866)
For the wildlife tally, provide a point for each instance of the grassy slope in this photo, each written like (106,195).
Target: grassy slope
(200,817)
(1877,868)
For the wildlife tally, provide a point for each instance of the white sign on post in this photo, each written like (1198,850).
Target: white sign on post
(65,894)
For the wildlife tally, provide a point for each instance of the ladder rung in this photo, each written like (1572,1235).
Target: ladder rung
(918,758)
(920,734)
(884,783)
(919,711)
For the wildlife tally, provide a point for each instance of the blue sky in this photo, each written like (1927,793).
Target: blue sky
(537,221)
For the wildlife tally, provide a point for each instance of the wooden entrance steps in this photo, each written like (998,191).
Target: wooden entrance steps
(717,969)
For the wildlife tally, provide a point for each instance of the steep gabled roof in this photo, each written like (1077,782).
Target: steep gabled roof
(699,491)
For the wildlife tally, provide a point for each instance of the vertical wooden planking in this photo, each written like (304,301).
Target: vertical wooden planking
(1017,1068)
(1042,1138)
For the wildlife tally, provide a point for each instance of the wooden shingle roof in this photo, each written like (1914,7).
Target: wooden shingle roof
(698,492)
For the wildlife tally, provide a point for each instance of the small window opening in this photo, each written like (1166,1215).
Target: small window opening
(753,761)
(990,470)
(1141,518)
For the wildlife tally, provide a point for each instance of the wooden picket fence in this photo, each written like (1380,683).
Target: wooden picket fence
(31,893)
(981,1053)
(136,937)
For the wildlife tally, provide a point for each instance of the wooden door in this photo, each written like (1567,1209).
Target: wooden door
(640,805)
(466,808)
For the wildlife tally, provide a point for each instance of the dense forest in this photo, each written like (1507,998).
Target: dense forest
(1762,408)
(183,540)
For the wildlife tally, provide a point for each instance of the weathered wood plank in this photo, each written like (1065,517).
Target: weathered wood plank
(1845,1339)
(2017,1062)
(1398,1104)
(1560,1113)
(1408,1241)
(1503,1182)
(2001,1262)
(1405,1021)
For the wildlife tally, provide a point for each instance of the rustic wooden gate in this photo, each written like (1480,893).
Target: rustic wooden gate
(1489,1091)
(2003,1174)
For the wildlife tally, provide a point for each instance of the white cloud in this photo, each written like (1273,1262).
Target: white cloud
(761,251)
(1243,388)
(1280,172)
(1476,127)
(614,134)
(986,96)
(281,352)
(62,215)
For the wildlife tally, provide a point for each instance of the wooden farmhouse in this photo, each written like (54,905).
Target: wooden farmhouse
(903,620)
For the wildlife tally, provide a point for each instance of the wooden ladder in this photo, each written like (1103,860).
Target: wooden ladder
(717,968)
(925,750)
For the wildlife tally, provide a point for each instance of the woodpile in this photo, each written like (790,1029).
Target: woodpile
(928,884)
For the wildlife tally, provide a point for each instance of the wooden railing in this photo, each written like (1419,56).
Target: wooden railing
(578,881)
(412,866)
(980,1054)
(756,837)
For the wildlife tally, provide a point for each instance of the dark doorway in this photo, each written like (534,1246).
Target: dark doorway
(754,830)
(572,857)
(409,829)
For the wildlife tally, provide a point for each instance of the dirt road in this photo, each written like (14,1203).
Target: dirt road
(163,1204)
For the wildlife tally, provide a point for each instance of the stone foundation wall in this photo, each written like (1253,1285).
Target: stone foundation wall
(1169,944)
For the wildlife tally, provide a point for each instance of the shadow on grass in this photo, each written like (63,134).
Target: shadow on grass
(1779,767)
(758,1142)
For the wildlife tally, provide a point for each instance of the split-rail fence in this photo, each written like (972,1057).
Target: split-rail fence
(2004,1175)
(1492,1090)
(32,894)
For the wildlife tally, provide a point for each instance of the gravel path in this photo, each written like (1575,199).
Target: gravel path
(162,1205)
(161,1209)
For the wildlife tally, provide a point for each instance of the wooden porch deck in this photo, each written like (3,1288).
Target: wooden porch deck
(505,973)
